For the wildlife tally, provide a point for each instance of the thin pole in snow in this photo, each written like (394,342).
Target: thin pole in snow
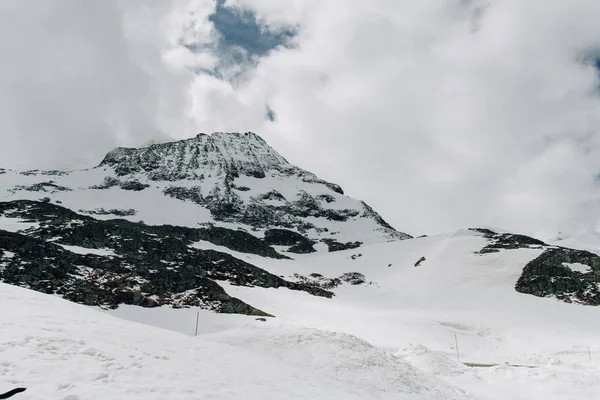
(590,353)
(197,318)
(456,341)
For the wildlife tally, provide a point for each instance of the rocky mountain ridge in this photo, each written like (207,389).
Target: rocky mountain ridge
(110,262)
(196,158)
(225,179)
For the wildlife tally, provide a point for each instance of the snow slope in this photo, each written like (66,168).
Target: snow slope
(527,347)
(453,291)
(60,350)
(393,337)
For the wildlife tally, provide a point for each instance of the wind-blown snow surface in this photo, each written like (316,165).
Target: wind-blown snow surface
(60,350)
(415,312)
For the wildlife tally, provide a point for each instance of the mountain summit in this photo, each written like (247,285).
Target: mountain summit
(233,180)
(196,158)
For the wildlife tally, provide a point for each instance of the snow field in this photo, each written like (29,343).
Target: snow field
(60,350)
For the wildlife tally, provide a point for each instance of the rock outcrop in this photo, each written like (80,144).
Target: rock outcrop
(130,263)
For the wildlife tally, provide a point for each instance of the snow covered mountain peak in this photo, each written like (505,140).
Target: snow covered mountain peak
(232,180)
(195,158)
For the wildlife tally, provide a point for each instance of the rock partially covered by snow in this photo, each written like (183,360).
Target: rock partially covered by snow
(229,179)
(567,274)
(194,159)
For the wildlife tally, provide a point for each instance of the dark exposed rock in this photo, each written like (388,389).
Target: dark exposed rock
(227,206)
(273,195)
(302,247)
(326,197)
(306,206)
(113,211)
(548,276)
(130,184)
(282,237)
(33,172)
(334,187)
(309,206)
(49,187)
(334,245)
(353,278)
(320,281)
(419,261)
(134,185)
(192,194)
(107,183)
(339,215)
(55,172)
(153,266)
(55,221)
(503,241)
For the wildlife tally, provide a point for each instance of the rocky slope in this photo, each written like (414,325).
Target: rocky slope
(568,275)
(112,262)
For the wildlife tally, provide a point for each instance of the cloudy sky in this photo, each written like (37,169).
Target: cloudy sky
(440,114)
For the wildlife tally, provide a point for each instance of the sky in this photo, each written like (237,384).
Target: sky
(439,114)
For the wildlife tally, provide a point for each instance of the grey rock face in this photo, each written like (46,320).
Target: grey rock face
(548,276)
(506,241)
(46,187)
(230,153)
(149,266)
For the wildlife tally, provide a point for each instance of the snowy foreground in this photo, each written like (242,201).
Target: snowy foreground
(391,339)
(60,350)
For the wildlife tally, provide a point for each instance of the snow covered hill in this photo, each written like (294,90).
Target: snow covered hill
(518,346)
(457,289)
(59,350)
(227,179)
(389,335)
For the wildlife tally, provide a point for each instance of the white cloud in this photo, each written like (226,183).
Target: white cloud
(79,77)
(440,114)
